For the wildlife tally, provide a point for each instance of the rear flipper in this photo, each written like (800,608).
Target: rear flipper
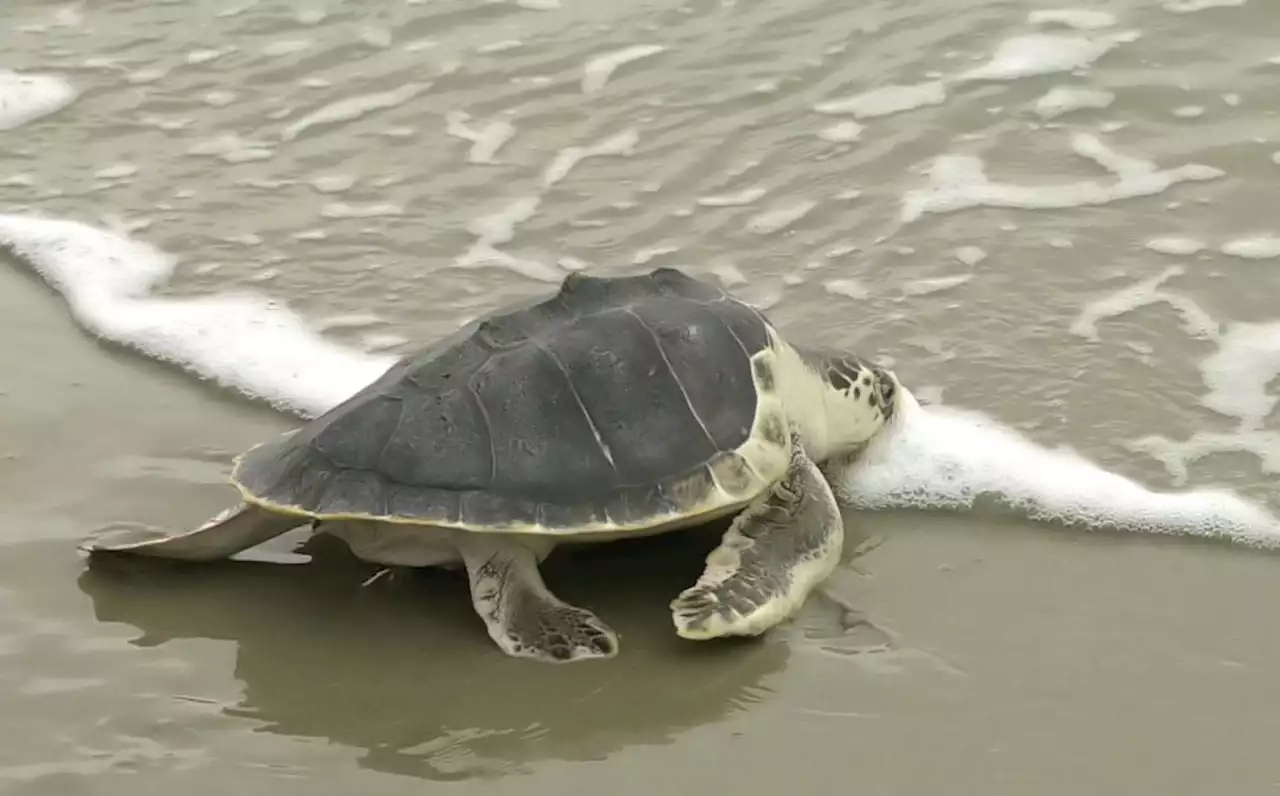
(236,529)
(524,618)
(776,552)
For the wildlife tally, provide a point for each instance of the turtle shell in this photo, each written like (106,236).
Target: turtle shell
(622,403)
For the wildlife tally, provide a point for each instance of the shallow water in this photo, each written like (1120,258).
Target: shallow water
(1062,219)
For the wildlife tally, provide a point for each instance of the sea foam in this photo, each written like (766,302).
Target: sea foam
(944,457)
(931,457)
(244,342)
(25,98)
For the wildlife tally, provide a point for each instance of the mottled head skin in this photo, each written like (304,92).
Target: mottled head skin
(860,381)
(838,401)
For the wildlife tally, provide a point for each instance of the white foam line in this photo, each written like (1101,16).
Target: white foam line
(1065,99)
(1195,321)
(243,342)
(1238,373)
(1078,18)
(1014,58)
(623,143)
(597,71)
(887,100)
(231,148)
(937,457)
(1254,247)
(1192,6)
(351,108)
(1045,54)
(943,457)
(1177,456)
(1236,377)
(482,255)
(959,182)
(485,142)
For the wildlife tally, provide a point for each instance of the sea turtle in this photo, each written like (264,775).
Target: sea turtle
(618,407)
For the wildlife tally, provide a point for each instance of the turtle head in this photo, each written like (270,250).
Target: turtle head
(869,388)
(857,400)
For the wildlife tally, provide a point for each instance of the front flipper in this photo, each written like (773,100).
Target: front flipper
(776,552)
(523,617)
(230,532)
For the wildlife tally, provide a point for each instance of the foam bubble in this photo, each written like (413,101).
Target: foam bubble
(369,210)
(841,133)
(1191,6)
(482,255)
(1195,321)
(778,218)
(970,255)
(25,98)
(243,341)
(282,47)
(1176,245)
(849,288)
(743,197)
(231,148)
(650,253)
(1178,455)
(597,71)
(352,108)
(924,287)
(499,46)
(1078,18)
(1043,54)
(334,183)
(500,225)
(887,100)
(1256,247)
(219,98)
(1236,377)
(944,457)
(959,182)
(118,171)
(1238,373)
(1065,99)
(486,141)
(198,57)
(148,75)
(623,143)
(497,228)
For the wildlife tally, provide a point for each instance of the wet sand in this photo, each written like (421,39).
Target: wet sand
(1021,658)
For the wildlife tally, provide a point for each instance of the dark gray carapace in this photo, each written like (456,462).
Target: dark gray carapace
(609,399)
